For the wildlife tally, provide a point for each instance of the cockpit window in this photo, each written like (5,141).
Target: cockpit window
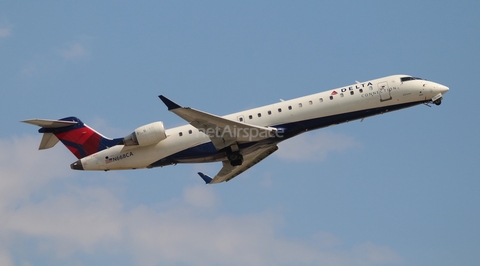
(406,79)
(410,78)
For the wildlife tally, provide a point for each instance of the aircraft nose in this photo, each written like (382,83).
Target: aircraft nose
(439,88)
(77,165)
(443,89)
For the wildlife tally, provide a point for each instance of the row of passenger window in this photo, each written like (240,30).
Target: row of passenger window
(181,133)
(299,105)
(280,109)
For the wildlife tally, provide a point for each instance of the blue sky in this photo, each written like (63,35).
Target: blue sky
(395,189)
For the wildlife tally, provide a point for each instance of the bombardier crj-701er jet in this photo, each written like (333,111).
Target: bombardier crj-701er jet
(239,140)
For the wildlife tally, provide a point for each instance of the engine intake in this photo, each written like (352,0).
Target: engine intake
(146,135)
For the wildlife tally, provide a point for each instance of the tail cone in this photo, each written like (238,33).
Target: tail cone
(77,165)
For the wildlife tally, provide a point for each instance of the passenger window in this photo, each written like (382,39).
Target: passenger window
(341,95)
(310,102)
(300,105)
(331,97)
(259,115)
(190,131)
(180,134)
(361,90)
(290,107)
(269,112)
(250,116)
(279,110)
(321,100)
(351,92)
(241,119)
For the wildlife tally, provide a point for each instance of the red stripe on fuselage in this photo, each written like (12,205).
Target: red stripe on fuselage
(85,137)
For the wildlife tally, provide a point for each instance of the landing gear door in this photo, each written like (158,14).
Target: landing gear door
(384,91)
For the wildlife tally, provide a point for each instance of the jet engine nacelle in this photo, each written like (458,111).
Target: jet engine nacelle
(146,135)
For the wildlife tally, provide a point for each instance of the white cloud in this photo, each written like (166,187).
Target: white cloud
(267,181)
(200,197)
(79,221)
(74,51)
(191,229)
(5,31)
(51,63)
(369,254)
(29,69)
(5,258)
(5,27)
(314,146)
(23,169)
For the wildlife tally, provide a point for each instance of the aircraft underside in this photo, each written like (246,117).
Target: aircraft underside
(206,153)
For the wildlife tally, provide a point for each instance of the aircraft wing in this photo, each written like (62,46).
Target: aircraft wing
(221,131)
(228,171)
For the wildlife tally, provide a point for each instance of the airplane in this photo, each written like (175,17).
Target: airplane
(239,140)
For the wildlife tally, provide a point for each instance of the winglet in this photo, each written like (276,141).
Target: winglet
(205,177)
(169,103)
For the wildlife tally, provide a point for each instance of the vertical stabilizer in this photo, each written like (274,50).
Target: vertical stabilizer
(79,138)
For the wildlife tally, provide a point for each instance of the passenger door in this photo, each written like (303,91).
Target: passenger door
(384,91)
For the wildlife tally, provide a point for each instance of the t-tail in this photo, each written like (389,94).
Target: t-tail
(79,138)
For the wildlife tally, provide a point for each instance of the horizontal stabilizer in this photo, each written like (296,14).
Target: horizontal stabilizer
(49,139)
(47,123)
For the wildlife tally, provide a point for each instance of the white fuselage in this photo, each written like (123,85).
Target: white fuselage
(293,117)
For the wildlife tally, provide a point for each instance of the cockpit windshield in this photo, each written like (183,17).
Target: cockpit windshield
(403,79)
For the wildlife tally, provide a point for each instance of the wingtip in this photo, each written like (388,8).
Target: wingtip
(205,177)
(169,103)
